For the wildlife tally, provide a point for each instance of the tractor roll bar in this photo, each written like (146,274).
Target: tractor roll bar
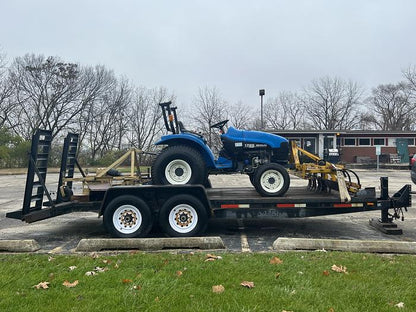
(168,117)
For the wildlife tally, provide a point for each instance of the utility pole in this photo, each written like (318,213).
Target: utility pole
(261,93)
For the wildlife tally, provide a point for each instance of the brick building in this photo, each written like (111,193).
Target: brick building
(356,146)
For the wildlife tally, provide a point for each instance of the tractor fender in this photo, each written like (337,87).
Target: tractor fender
(191,141)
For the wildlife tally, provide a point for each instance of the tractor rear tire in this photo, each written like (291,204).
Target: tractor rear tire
(179,164)
(271,180)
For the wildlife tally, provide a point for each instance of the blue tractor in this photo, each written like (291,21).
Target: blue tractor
(187,159)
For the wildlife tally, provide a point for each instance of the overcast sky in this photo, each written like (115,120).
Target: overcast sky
(237,46)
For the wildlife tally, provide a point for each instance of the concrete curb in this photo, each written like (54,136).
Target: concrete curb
(149,244)
(26,245)
(284,243)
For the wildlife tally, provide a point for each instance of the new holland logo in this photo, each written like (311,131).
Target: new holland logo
(254,145)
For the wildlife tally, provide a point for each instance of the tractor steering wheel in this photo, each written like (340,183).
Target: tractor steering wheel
(220,125)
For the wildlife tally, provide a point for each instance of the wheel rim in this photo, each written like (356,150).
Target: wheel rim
(178,171)
(183,218)
(127,219)
(272,181)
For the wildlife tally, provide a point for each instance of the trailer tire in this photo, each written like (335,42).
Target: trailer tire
(127,216)
(179,164)
(183,215)
(271,180)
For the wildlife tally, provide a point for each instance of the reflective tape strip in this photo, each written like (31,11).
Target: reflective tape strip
(290,205)
(348,205)
(235,206)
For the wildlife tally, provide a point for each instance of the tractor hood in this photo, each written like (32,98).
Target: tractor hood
(259,137)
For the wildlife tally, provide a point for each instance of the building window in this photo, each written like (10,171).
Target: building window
(391,142)
(349,142)
(309,145)
(296,140)
(378,141)
(364,142)
(411,142)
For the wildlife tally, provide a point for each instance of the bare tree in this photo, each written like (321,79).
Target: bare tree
(392,107)
(367,121)
(285,112)
(256,122)
(332,103)
(51,94)
(410,75)
(210,108)
(145,116)
(6,90)
(106,124)
(99,89)
(240,115)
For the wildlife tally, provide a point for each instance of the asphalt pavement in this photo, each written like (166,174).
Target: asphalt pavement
(62,234)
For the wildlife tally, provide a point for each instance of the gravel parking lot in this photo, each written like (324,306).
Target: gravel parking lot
(62,234)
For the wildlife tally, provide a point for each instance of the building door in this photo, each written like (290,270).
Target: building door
(402,146)
(331,153)
(328,144)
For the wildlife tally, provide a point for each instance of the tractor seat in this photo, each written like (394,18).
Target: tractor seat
(184,130)
(181,127)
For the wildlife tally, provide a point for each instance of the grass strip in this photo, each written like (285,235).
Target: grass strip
(139,281)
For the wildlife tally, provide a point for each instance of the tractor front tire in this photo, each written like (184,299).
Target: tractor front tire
(271,180)
(179,164)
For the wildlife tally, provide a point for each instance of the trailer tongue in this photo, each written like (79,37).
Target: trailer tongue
(130,208)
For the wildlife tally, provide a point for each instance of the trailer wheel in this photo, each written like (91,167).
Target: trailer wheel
(127,216)
(183,215)
(179,164)
(271,180)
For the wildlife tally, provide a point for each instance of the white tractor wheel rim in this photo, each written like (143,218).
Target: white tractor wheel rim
(183,218)
(178,171)
(127,219)
(272,181)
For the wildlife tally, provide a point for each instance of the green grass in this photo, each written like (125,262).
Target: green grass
(149,282)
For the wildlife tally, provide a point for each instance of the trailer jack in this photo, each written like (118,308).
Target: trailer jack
(399,201)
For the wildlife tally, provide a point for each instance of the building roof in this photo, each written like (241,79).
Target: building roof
(345,132)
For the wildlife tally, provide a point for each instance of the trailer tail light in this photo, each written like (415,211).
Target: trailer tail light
(235,206)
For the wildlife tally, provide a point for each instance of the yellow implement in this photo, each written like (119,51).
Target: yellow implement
(109,175)
(322,175)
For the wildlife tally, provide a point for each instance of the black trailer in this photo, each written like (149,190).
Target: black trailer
(181,210)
